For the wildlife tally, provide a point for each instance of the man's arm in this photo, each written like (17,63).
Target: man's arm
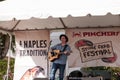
(68,50)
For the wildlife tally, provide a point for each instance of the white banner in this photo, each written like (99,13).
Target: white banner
(31,52)
(94,47)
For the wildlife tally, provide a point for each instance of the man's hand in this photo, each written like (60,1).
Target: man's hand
(67,52)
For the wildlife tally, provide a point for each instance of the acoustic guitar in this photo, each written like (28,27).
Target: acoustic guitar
(54,55)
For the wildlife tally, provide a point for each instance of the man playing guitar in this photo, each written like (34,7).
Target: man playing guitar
(60,62)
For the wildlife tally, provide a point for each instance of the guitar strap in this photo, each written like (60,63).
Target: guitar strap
(64,48)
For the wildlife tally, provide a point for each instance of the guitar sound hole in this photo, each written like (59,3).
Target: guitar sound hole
(53,53)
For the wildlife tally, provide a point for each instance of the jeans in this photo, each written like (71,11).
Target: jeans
(61,68)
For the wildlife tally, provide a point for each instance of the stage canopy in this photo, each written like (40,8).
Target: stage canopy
(88,21)
(58,14)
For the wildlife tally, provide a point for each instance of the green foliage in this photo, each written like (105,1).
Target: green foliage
(112,70)
(4,44)
(2,0)
(3,67)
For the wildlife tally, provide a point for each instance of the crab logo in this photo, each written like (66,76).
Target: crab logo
(32,73)
(83,42)
(110,59)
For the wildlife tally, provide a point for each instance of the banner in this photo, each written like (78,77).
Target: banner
(94,47)
(96,51)
(31,54)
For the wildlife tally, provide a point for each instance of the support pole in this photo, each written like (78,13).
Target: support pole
(9,54)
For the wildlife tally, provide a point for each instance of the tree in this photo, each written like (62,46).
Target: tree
(3,68)
(2,0)
(4,44)
(114,71)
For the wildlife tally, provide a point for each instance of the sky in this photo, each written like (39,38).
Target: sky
(57,8)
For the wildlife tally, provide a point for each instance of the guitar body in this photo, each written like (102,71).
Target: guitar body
(54,55)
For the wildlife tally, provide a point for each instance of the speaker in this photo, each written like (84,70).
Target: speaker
(40,79)
(75,75)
